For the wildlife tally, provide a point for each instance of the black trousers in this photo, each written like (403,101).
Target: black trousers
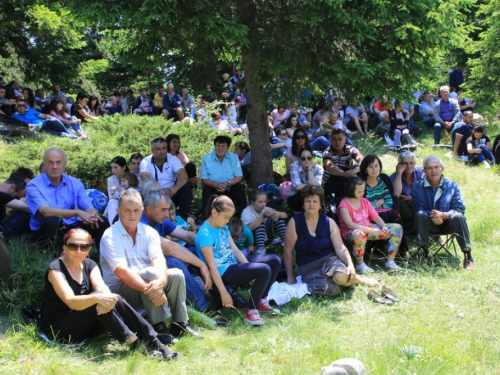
(335,185)
(456,224)
(122,322)
(236,193)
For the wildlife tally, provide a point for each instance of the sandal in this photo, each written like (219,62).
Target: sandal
(390,294)
(374,296)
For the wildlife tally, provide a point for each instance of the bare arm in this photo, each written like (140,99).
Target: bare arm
(346,217)
(18,205)
(290,240)
(208,254)
(332,168)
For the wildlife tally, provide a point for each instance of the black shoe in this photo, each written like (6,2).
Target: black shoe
(219,318)
(180,328)
(164,335)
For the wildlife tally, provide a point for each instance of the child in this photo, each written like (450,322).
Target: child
(228,266)
(263,220)
(359,222)
(118,168)
(479,147)
(129,180)
(188,225)
(242,236)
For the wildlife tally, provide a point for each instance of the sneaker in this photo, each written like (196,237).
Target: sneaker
(363,268)
(468,265)
(164,335)
(266,307)
(253,317)
(392,266)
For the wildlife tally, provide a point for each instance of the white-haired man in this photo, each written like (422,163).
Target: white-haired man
(446,113)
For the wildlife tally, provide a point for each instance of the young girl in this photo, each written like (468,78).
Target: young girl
(479,147)
(359,222)
(228,266)
(118,168)
(262,220)
(57,111)
(129,180)
(242,236)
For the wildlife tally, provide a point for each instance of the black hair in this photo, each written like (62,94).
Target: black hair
(135,155)
(235,226)
(295,146)
(17,182)
(22,173)
(169,139)
(132,179)
(53,106)
(254,193)
(308,148)
(337,131)
(288,123)
(367,161)
(31,98)
(222,139)
(351,186)
(81,95)
(243,146)
(120,160)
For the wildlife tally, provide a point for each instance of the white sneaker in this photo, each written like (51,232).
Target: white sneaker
(392,266)
(363,268)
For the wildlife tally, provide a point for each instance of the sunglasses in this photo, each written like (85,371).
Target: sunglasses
(20,105)
(300,137)
(304,158)
(279,135)
(81,247)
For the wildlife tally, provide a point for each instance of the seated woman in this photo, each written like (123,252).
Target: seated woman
(479,147)
(228,266)
(262,220)
(77,304)
(324,262)
(359,222)
(79,110)
(94,107)
(242,149)
(174,149)
(57,111)
(400,124)
(304,172)
(380,192)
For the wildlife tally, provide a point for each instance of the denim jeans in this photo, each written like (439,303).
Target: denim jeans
(320,144)
(55,127)
(485,154)
(193,292)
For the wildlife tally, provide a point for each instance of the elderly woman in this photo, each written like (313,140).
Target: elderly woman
(304,172)
(323,260)
(77,303)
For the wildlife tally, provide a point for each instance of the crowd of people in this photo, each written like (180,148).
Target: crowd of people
(156,259)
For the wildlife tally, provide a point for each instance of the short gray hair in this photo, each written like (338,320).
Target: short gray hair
(154,198)
(148,186)
(406,154)
(447,88)
(129,196)
(55,149)
(383,114)
(433,158)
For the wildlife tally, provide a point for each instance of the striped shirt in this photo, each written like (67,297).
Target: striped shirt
(381,191)
(346,161)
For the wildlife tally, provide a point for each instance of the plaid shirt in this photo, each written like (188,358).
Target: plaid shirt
(298,177)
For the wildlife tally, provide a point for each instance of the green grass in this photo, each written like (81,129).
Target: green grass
(447,322)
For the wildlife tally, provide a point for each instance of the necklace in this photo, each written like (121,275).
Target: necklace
(314,226)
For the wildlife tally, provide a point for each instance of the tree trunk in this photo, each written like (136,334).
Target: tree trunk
(262,167)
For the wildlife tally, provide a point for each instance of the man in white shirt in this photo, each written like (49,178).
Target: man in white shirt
(168,171)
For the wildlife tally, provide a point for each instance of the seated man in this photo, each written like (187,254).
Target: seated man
(385,124)
(134,164)
(221,174)
(446,113)
(134,267)
(112,105)
(57,94)
(426,110)
(58,202)
(158,103)
(170,174)
(340,162)
(172,106)
(13,203)
(460,133)
(406,175)
(40,121)
(439,209)
(155,214)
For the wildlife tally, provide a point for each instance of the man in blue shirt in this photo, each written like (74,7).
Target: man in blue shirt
(439,209)
(155,214)
(456,77)
(58,202)
(172,103)
(40,121)
(221,174)
(446,113)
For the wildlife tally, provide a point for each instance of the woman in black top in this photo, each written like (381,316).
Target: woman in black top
(77,304)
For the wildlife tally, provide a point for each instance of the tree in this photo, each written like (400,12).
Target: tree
(363,47)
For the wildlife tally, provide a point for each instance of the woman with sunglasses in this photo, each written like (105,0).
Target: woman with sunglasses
(77,304)
(300,140)
(303,172)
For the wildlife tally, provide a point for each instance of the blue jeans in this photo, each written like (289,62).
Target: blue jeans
(55,127)
(193,292)
(485,154)
(76,127)
(320,144)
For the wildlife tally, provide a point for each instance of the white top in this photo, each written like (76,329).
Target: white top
(113,181)
(166,176)
(118,250)
(249,214)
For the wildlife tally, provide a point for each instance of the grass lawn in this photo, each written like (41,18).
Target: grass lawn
(446,322)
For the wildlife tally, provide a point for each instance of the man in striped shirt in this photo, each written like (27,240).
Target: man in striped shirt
(340,162)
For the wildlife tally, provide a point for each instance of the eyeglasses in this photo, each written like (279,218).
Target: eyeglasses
(300,137)
(279,135)
(76,246)
(304,158)
(20,105)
